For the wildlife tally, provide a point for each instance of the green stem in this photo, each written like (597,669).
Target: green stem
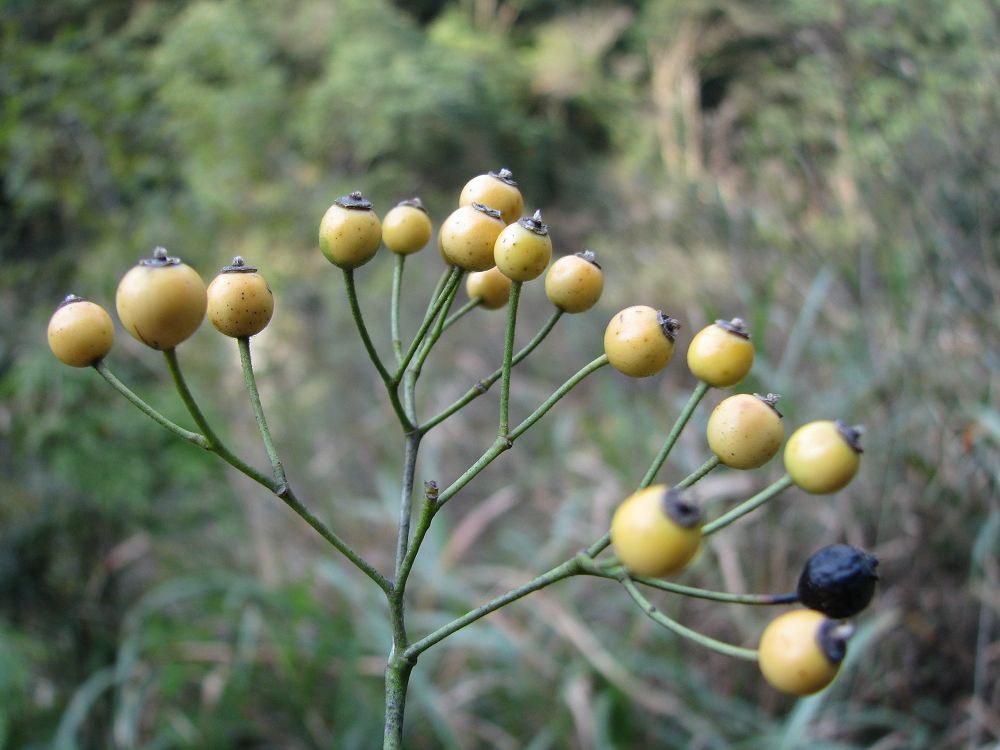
(600,545)
(435,334)
(747,506)
(397,284)
(397,677)
(552,400)
(484,385)
(698,473)
(213,445)
(149,411)
(390,385)
(661,619)
(258,410)
(406,499)
(472,304)
(508,357)
(427,512)
(567,569)
(418,339)
(682,419)
(696,593)
(438,289)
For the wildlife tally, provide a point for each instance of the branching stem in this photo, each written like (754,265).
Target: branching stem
(747,506)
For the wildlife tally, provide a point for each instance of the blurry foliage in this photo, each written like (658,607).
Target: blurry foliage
(829,170)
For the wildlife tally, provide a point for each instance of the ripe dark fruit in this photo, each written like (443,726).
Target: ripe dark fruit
(838,581)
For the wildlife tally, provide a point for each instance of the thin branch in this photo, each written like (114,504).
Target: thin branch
(258,410)
(682,419)
(508,357)
(747,506)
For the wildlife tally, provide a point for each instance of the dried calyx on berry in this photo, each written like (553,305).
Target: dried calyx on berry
(838,580)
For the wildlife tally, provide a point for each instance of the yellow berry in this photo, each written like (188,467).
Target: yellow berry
(161,301)
(656,531)
(639,341)
(522,250)
(491,287)
(80,332)
(800,651)
(240,303)
(823,456)
(468,236)
(497,190)
(574,282)
(746,431)
(407,227)
(350,232)
(721,354)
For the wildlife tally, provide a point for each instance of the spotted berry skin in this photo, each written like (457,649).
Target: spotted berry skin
(161,301)
(838,580)
(656,531)
(497,190)
(721,354)
(350,232)
(799,652)
(823,456)
(468,235)
(574,282)
(240,302)
(639,341)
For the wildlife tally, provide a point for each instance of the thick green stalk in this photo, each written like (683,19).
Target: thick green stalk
(682,419)
(698,473)
(397,677)
(661,619)
(258,411)
(484,385)
(508,357)
(747,506)
(390,385)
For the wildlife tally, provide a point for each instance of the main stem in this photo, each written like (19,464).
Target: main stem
(508,357)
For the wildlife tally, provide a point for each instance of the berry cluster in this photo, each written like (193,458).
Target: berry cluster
(654,533)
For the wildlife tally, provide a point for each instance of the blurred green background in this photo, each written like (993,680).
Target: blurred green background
(828,170)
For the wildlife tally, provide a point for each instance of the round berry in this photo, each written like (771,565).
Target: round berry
(523,249)
(721,354)
(838,580)
(823,456)
(407,227)
(574,282)
(745,431)
(495,189)
(656,531)
(161,301)
(468,236)
(240,303)
(350,233)
(800,651)
(639,341)
(80,332)
(491,287)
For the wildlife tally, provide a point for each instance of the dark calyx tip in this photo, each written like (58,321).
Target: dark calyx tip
(736,326)
(413,202)
(238,266)
(505,175)
(833,637)
(159,257)
(483,208)
(851,434)
(771,399)
(355,201)
(669,325)
(69,299)
(431,489)
(590,256)
(680,509)
(534,223)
